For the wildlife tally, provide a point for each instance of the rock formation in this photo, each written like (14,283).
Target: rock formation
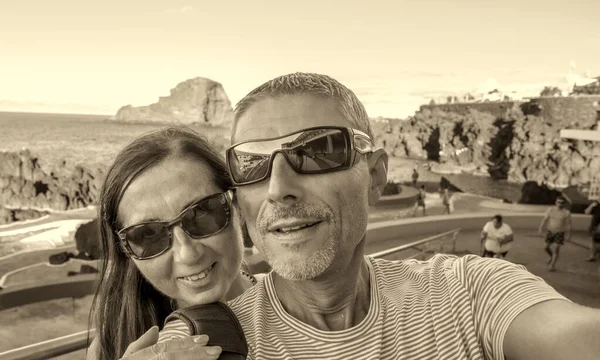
(520,143)
(25,187)
(195,101)
(87,239)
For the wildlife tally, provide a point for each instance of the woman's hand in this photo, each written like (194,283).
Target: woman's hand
(191,348)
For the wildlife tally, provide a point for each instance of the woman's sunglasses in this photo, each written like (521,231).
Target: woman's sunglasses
(204,218)
(314,150)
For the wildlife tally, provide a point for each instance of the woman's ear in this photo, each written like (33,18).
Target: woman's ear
(378,164)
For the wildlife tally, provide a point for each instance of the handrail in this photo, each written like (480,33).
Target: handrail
(50,348)
(75,287)
(70,343)
(418,242)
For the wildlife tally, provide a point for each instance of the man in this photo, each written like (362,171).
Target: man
(558,222)
(446,201)
(415,176)
(594,231)
(496,238)
(420,201)
(324,299)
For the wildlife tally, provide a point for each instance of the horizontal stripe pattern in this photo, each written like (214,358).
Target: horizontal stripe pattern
(443,308)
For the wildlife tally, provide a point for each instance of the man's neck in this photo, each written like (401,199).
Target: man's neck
(335,301)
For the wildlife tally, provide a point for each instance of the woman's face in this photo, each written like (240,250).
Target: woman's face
(160,194)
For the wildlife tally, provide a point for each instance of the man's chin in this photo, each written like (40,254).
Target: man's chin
(301,267)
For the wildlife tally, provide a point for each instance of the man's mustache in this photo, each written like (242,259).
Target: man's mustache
(300,210)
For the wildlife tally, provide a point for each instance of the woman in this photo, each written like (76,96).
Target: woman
(170,237)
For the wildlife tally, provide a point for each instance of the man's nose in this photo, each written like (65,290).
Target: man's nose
(185,249)
(284,183)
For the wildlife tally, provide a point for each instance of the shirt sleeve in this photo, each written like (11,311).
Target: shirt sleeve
(486,227)
(175,329)
(499,291)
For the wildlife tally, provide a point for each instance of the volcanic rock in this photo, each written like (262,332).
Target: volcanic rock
(194,101)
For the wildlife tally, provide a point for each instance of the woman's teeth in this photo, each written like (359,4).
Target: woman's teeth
(199,276)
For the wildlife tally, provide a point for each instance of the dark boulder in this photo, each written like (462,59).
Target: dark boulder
(532,193)
(87,239)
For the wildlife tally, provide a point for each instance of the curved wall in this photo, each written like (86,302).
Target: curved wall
(425,226)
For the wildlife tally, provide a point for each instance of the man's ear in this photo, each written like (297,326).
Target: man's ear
(378,165)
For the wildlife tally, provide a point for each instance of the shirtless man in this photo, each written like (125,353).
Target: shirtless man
(558,225)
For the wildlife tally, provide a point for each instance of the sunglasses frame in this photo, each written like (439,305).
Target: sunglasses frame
(351,157)
(126,248)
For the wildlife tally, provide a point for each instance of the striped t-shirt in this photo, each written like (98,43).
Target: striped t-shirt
(443,308)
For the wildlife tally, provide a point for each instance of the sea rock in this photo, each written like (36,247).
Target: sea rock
(194,101)
(87,239)
(532,193)
(24,185)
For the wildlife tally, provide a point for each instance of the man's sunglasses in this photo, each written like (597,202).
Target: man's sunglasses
(314,150)
(204,218)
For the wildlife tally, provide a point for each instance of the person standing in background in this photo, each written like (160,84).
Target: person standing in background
(496,238)
(558,222)
(594,232)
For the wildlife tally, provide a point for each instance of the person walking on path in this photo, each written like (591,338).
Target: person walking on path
(594,230)
(558,225)
(446,201)
(415,177)
(420,201)
(496,238)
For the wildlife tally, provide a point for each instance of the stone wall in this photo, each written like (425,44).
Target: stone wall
(577,111)
(497,109)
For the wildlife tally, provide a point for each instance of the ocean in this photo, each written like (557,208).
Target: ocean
(79,139)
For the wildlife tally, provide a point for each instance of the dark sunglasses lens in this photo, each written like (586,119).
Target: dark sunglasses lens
(309,151)
(208,216)
(318,150)
(148,239)
(246,167)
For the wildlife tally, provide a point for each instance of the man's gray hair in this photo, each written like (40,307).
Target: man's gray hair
(318,85)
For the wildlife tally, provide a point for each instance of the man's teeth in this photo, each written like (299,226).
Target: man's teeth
(199,276)
(293,228)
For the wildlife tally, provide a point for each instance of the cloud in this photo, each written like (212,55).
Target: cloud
(182,9)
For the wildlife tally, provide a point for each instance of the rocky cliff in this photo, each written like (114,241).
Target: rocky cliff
(25,185)
(519,142)
(194,101)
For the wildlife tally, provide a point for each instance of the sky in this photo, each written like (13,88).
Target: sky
(94,57)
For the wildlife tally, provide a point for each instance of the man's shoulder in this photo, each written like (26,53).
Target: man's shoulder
(487,225)
(391,268)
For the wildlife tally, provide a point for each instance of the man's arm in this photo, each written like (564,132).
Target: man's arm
(568,226)
(588,210)
(553,330)
(544,221)
(507,238)
(484,235)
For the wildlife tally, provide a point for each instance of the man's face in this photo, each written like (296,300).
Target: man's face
(304,225)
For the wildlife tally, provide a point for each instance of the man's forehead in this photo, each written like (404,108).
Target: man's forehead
(271,117)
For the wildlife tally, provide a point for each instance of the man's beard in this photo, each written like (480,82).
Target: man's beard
(297,266)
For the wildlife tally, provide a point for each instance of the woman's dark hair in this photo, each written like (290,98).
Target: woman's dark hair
(126,305)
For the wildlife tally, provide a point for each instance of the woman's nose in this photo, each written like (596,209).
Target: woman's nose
(186,250)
